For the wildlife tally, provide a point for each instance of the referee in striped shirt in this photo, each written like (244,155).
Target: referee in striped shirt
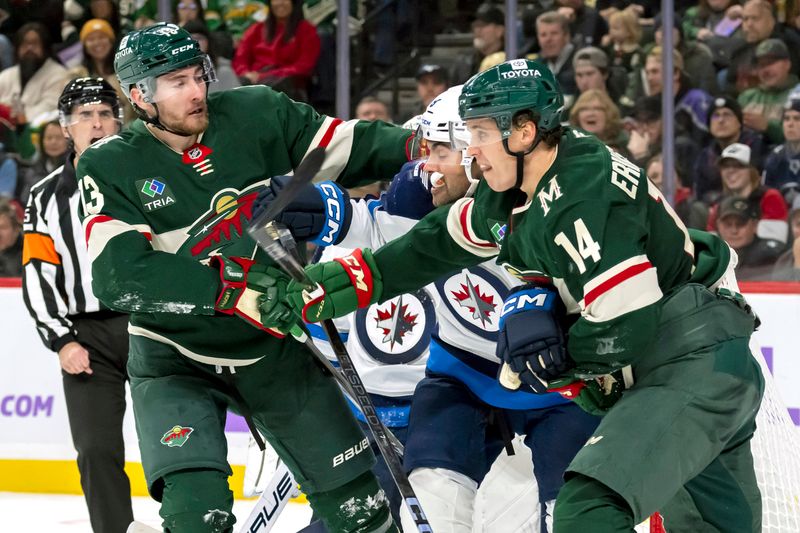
(91,341)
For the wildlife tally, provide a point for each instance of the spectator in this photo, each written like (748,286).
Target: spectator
(10,239)
(737,224)
(370,108)
(742,180)
(98,40)
(700,22)
(9,174)
(586,25)
(763,105)
(187,10)
(693,213)
(16,13)
(281,51)
(645,138)
(726,128)
(50,155)
(431,82)
(226,77)
(32,86)
(556,51)
(758,24)
(691,105)
(107,10)
(698,63)
(782,169)
(623,42)
(488,37)
(787,267)
(591,69)
(596,113)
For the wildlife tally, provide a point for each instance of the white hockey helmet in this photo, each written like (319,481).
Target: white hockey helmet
(440,123)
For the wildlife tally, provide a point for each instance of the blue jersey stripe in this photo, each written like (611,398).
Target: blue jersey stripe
(440,361)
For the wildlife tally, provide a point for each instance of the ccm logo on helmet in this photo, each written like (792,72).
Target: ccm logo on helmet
(182,49)
(526,73)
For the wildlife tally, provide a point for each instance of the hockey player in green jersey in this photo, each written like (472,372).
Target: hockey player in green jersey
(659,335)
(165,204)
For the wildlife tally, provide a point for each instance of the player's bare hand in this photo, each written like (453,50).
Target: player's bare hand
(252,76)
(74,358)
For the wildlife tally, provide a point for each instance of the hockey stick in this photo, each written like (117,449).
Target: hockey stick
(276,495)
(356,385)
(268,238)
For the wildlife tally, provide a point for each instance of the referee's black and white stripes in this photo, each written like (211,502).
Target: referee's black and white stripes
(56,266)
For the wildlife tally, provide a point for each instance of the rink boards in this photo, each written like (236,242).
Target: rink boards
(36,453)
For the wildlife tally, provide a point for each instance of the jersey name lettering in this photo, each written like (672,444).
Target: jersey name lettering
(551,194)
(624,174)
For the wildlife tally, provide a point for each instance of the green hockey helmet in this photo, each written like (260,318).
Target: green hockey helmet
(510,87)
(146,54)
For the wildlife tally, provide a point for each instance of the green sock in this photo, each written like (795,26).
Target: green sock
(359,506)
(197,501)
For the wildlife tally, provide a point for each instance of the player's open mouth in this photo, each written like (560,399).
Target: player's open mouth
(94,140)
(197,111)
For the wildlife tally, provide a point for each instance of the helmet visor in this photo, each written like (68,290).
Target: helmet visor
(479,132)
(180,83)
(90,112)
(443,159)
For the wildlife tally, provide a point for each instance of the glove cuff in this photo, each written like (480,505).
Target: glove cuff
(338,214)
(364,276)
(233,281)
(527,298)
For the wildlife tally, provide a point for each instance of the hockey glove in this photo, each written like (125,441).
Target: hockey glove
(344,285)
(319,213)
(244,285)
(530,340)
(595,396)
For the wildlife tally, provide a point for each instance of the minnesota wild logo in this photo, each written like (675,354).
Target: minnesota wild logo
(177,436)
(223,225)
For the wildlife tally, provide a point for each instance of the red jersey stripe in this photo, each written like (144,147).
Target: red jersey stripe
(326,139)
(465,224)
(93,221)
(615,280)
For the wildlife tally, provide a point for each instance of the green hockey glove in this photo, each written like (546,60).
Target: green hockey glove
(595,396)
(345,284)
(245,286)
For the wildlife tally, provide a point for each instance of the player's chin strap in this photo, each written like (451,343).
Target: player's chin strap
(521,157)
(155,122)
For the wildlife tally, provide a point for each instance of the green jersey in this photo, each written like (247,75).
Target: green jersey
(153,216)
(595,226)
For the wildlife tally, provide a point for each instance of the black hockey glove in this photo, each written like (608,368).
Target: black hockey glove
(320,213)
(530,340)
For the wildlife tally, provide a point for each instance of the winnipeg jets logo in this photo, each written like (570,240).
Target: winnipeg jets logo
(397,331)
(473,297)
(479,304)
(395,322)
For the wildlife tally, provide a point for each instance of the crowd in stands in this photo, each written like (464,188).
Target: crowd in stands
(735,80)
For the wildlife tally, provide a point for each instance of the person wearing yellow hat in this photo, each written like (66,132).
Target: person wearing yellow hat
(99,41)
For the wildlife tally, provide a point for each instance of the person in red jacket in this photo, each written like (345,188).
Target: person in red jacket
(280,52)
(741,179)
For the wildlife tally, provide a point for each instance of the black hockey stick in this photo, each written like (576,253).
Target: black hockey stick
(355,386)
(268,238)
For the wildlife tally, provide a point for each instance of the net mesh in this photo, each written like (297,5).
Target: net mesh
(776,452)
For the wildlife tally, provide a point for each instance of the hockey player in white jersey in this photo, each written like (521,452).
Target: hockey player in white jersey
(460,417)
